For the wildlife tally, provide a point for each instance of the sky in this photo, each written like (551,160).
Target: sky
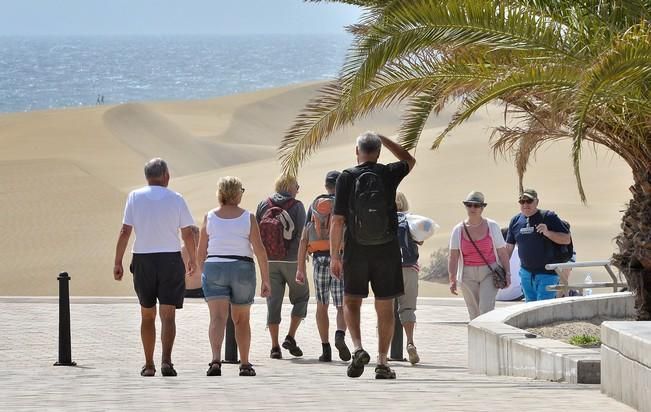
(110,17)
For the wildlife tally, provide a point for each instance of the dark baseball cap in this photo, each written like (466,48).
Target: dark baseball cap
(331,177)
(529,194)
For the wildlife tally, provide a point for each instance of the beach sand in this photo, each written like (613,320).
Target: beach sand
(65,174)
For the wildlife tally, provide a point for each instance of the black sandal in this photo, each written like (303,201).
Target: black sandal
(276,353)
(167,369)
(214,368)
(148,370)
(384,372)
(246,369)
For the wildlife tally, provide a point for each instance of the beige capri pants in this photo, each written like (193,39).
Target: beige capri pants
(407,302)
(478,290)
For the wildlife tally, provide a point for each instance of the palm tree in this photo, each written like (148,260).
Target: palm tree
(564,69)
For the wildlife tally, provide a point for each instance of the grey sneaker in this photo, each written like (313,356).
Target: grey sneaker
(413,354)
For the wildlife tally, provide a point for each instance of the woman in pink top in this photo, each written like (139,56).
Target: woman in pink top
(466,264)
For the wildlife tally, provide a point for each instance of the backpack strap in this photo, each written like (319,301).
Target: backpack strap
(285,206)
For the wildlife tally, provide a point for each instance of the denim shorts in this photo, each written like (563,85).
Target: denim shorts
(229,280)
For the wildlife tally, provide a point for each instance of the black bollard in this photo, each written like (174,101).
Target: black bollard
(230,351)
(65,352)
(396,342)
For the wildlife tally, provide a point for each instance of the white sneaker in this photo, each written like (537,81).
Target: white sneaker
(413,354)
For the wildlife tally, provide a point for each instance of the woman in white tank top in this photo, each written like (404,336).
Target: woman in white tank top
(229,238)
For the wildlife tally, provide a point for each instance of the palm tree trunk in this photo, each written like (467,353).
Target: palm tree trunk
(634,257)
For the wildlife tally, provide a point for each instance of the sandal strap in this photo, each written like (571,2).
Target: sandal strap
(216,362)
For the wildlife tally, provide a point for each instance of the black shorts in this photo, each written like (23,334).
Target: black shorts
(158,276)
(380,265)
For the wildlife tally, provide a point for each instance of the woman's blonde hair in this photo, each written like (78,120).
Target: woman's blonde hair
(401,202)
(228,190)
(285,183)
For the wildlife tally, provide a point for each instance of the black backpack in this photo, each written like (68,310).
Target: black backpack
(369,222)
(560,253)
(408,247)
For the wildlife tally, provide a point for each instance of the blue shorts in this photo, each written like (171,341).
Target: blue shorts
(229,280)
(534,285)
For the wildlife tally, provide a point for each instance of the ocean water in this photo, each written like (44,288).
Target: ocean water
(54,72)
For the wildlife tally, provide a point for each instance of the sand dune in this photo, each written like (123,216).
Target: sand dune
(64,176)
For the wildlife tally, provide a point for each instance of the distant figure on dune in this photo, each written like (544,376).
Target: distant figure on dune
(365,202)
(229,237)
(281,218)
(540,236)
(316,241)
(476,247)
(192,283)
(101,101)
(156,214)
(98,99)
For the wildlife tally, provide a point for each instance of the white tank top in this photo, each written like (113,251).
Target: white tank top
(228,237)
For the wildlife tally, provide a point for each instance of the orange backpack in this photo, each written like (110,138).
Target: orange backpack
(318,228)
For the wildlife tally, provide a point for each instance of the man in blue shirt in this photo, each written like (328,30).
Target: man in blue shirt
(535,231)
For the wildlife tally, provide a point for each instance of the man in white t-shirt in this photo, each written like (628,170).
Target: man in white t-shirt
(156,214)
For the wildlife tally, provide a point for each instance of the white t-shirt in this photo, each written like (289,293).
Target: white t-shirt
(514,291)
(156,215)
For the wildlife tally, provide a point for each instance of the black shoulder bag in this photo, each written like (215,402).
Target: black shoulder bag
(499,274)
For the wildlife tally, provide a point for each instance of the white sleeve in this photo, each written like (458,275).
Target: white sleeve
(496,234)
(128,211)
(455,240)
(185,217)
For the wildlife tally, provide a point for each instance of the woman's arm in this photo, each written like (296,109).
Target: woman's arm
(453,266)
(261,255)
(505,262)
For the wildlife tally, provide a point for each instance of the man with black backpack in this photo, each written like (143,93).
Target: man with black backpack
(316,241)
(542,238)
(365,204)
(281,218)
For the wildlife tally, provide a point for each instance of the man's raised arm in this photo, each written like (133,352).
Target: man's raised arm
(398,151)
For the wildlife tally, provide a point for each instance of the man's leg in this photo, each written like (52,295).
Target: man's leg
(385,322)
(352,307)
(148,333)
(542,281)
(341,321)
(528,287)
(299,297)
(168,331)
(322,321)
(275,303)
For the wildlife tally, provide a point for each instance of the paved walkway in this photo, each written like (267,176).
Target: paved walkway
(106,346)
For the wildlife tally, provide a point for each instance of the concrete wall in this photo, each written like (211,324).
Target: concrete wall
(626,363)
(498,345)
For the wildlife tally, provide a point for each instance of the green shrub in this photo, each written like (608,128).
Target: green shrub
(585,340)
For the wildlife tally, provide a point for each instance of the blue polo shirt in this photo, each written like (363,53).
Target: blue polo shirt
(534,249)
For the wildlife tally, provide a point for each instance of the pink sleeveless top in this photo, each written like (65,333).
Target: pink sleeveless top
(470,255)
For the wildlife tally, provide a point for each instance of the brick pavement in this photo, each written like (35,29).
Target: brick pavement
(106,347)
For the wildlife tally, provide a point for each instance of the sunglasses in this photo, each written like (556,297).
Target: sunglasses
(527,201)
(242,189)
(474,205)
